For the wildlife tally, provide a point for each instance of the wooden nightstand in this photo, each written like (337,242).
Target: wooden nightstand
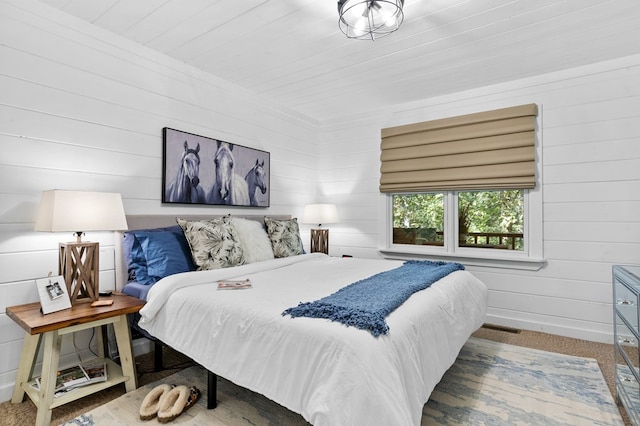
(52,327)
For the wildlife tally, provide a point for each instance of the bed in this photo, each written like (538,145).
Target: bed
(329,373)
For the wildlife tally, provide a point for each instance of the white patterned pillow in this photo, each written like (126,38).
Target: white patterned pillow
(213,243)
(284,236)
(254,240)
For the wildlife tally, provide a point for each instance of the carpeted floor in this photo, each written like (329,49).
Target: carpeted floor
(491,383)
(20,414)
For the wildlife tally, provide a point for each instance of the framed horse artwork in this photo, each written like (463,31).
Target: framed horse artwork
(202,170)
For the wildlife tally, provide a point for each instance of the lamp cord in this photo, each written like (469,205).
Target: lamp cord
(78,351)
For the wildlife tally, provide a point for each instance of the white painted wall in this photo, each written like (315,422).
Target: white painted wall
(83,109)
(590,140)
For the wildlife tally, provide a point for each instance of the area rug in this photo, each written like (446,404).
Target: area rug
(490,383)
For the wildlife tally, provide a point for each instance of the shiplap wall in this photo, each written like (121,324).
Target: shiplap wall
(590,136)
(82,109)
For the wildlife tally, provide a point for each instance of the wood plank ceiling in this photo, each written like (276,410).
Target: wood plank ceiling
(292,51)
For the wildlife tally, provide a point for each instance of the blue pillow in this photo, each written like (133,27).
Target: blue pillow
(134,256)
(157,253)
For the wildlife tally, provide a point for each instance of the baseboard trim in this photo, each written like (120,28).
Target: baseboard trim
(557,329)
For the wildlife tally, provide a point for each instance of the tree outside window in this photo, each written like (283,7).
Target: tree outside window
(485,219)
(418,219)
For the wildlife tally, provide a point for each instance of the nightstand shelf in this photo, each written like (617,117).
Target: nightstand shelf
(49,329)
(114,377)
(626,324)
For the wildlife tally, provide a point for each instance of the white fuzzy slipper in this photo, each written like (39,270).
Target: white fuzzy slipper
(150,403)
(176,401)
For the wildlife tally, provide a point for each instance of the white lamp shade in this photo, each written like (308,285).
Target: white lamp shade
(79,211)
(320,213)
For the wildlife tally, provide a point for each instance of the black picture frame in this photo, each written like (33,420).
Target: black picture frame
(201,170)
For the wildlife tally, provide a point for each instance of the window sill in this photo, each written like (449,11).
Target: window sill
(469,259)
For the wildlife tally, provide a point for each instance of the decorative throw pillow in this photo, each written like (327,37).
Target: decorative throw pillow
(284,236)
(253,239)
(133,256)
(152,254)
(214,243)
(167,253)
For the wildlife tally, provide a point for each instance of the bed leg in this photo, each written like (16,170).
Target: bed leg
(212,390)
(157,356)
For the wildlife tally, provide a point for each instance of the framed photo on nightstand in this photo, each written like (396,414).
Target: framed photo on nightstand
(53,294)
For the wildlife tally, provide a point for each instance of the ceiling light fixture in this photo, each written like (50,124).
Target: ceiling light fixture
(364,19)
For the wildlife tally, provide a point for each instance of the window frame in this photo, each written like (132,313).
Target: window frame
(531,258)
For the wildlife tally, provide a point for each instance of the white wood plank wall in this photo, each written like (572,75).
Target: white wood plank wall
(590,140)
(83,109)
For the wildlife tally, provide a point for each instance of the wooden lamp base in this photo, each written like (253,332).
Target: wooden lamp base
(79,265)
(320,241)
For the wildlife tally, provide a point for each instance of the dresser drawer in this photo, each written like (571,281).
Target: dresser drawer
(627,385)
(626,303)
(627,342)
(630,275)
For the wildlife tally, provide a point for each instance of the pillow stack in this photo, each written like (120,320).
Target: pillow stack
(153,254)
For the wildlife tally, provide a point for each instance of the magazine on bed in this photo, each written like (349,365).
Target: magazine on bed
(234,284)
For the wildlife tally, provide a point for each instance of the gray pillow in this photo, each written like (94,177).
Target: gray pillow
(214,243)
(284,236)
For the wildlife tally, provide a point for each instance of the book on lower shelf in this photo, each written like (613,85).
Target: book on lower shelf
(70,377)
(96,372)
(234,284)
(77,376)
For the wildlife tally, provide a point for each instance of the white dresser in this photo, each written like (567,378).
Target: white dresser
(626,303)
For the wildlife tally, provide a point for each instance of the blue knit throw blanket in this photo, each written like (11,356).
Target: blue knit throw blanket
(365,303)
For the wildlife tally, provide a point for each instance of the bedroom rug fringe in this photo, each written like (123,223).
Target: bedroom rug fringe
(490,383)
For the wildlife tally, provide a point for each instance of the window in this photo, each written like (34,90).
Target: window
(418,219)
(492,220)
(466,187)
(503,228)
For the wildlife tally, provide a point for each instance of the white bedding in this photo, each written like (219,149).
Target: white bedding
(329,373)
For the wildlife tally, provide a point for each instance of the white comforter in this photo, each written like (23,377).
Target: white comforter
(329,373)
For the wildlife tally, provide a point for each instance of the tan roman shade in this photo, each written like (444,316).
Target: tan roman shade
(487,150)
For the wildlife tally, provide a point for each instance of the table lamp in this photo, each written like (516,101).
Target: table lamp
(79,211)
(319,214)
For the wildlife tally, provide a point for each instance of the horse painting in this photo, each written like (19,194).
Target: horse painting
(228,187)
(185,188)
(255,179)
